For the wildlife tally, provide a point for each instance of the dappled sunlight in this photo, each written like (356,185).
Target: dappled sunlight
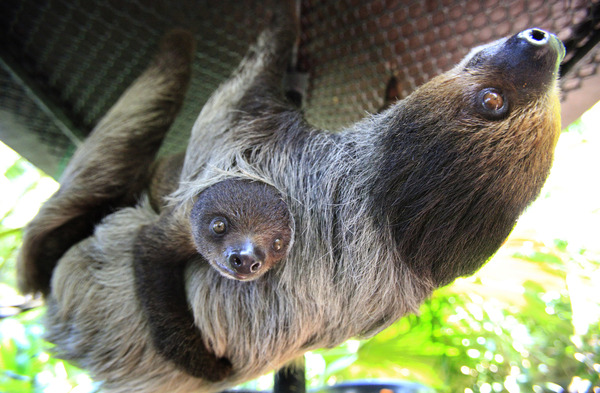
(569,204)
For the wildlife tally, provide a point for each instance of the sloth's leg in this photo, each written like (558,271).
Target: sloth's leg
(111,167)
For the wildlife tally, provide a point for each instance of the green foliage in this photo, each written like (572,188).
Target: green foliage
(10,239)
(463,341)
(26,363)
(16,170)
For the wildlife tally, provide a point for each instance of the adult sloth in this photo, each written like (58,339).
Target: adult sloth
(385,211)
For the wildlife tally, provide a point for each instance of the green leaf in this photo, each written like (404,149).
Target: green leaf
(8,354)
(13,383)
(17,169)
(537,256)
(340,364)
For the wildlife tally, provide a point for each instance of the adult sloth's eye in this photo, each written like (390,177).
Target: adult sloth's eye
(492,104)
(493,101)
(218,226)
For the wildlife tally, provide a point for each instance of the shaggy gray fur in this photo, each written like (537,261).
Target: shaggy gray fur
(349,273)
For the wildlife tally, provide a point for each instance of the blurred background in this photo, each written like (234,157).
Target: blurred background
(529,321)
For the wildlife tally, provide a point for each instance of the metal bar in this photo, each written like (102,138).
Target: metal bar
(291,378)
(46,104)
(580,53)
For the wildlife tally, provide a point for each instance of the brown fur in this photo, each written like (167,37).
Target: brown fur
(111,169)
(164,179)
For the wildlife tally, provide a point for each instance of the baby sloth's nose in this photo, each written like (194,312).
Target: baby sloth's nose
(244,262)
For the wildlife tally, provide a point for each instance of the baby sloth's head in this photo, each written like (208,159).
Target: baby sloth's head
(242,228)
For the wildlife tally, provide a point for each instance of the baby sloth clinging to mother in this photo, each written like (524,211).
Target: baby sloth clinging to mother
(387,210)
(242,228)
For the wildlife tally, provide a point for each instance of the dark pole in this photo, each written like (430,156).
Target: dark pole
(290,378)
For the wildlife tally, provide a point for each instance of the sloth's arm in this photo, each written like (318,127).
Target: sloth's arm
(160,258)
(111,167)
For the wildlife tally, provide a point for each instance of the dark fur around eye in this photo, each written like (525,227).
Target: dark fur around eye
(492,103)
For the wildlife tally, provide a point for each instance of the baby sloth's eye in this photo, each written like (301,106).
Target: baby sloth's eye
(491,103)
(277,244)
(218,226)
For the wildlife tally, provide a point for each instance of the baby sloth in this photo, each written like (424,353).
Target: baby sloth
(242,228)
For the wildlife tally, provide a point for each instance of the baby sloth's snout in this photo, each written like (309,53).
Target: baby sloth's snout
(245,260)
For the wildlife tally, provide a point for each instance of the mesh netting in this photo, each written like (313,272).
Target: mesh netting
(82,55)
